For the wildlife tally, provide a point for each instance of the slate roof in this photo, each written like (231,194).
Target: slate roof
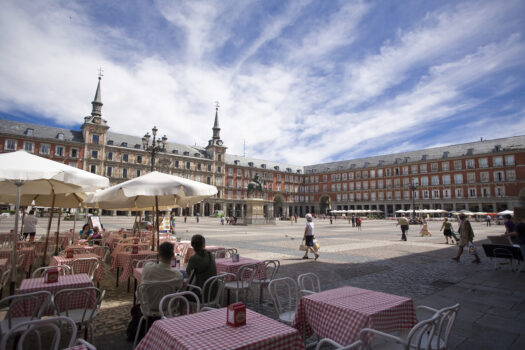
(39,131)
(437,153)
(257,163)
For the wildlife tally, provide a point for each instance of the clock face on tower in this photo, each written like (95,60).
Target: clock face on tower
(219,142)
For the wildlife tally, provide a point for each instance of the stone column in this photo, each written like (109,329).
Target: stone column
(242,210)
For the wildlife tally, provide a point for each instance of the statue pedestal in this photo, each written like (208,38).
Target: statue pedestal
(255,212)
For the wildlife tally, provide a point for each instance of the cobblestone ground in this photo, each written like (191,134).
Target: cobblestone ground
(374,258)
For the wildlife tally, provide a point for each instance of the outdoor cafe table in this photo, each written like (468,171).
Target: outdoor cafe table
(28,252)
(339,314)
(227,265)
(137,274)
(30,285)
(125,260)
(62,260)
(208,330)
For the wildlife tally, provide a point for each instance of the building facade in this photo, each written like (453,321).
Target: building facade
(487,175)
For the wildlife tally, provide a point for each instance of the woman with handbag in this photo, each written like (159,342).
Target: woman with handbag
(309,237)
(466,236)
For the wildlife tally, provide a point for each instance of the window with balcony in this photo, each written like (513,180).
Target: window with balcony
(125,157)
(471,178)
(29,146)
(109,156)
(425,194)
(73,152)
(358,185)
(446,193)
(188,165)
(509,160)
(397,183)
(470,163)
(176,164)
(94,154)
(109,171)
(95,139)
(124,173)
(434,167)
(11,145)
(413,169)
(423,168)
(497,161)
(405,170)
(485,192)
(446,179)
(483,162)
(59,151)
(499,176)
(484,176)
(445,166)
(457,164)
(500,191)
(472,193)
(459,193)
(406,194)
(44,148)
(458,178)
(511,175)
(137,173)
(424,181)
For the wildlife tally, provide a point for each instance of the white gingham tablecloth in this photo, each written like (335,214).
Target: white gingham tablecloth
(339,314)
(125,261)
(227,265)
(62,260)
(30,285)
(208,330)
(28,252)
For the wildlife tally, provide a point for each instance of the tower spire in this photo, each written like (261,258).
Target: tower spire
(97,101)
(216,128)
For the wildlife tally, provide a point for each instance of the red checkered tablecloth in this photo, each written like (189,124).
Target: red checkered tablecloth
(125,261)
(28,252)
(339,314)
(30,285)
(77,347)
(208,330)
(62,260)
(227,265)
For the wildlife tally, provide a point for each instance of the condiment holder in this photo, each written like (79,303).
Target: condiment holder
(236,315)
(235,257)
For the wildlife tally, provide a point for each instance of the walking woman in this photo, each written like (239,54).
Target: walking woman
(447,230)
(309,237)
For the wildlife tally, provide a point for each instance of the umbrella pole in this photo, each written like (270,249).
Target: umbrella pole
(48,229)
(15,237)
(152,228)
(22,225)
(58,231)
(139,228)
(135,225)
(157,223)
(75,223)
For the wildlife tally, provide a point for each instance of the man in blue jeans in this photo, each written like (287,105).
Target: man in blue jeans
(403,222)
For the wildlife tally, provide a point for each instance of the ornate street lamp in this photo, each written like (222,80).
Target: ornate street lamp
(157,145)
(413,187)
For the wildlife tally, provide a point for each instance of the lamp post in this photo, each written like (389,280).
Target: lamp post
(413,186)
(157,145)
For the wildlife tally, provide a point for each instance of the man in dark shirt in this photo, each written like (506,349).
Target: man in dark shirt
(519,233)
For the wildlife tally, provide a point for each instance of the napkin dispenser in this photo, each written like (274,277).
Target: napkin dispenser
(51,276)
(235,257)
(135,241)
(134,249)
(69,254)
(236,315)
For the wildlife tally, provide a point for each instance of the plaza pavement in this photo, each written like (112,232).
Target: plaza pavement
(492,301)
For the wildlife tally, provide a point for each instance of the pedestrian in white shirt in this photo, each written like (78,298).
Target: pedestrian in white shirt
(30,222)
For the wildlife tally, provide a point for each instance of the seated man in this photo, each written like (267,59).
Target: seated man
(162,271)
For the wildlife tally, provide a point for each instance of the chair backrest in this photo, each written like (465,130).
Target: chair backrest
(357,345)
(31,305)
(309,283)
(20,260)
(142,246)
(84,343)
(284,293)
(84,265)
(447,317)
(87,299)
(26,332)
(4,278)
(212,290)
(271,268)
(246,274)
(221,253)
(102,251)
(149,295)
(420,336)
(141,263)
(170,305)
(41,271)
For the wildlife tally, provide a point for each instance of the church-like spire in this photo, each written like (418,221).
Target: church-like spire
(97,102)
(216,128)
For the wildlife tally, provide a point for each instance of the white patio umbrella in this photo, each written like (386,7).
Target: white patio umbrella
(23,174)
(154,189)
(506,212)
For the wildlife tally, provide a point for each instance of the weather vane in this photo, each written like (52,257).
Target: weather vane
(217,104)
(100,73)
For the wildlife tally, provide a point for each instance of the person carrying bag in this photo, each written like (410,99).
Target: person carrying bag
(308,238)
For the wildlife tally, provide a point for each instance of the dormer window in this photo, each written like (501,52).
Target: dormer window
(110,142)
(276,167)
(137,146)
(298,171)
(29,132)
(124,144)
(175,151)
(289,170)
(250,164)
(186,153)
(60,136)
(263,166)
(197,154)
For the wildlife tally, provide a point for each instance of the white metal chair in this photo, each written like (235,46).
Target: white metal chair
(416,339)
(170,304)
(103,252)
(357,345)
(84,343)
(41,271)
(20,261)
(129,248)
(212,290)
(309,283)
(285,297)
(32,304)
(82,305)
(447,317)
(85,265)
(243,281)
(149,295)
(26,332)
(4,279)
(271,268)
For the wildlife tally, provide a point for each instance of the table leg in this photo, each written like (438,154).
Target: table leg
(116,282)
(135,292)
(128,284)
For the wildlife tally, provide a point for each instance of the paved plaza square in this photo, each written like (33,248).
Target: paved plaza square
(492,301)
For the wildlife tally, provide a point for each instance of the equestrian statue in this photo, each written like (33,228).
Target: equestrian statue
(256,185)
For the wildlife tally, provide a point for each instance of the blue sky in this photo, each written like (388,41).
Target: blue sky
(303,82)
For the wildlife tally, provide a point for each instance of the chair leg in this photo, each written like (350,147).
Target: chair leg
(138,332)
